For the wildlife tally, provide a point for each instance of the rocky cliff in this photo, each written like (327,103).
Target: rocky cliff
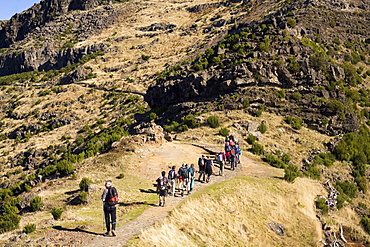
(43,37)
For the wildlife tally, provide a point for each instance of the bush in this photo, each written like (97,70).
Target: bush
(313,172)
(365,222)
(296,95)
(347,188)
(362,205)
(171,127)
(213,121)
(224,131)
(57,213)
(262,128)
(291,22)
(257,149)
(9,219)
(274,161)
(29,228)
(340,200)
(84,184)
(295,122)
(83,196)
(190,121)
(322,205)
(145,57)
(251,139)
(280,94)
(35,204)
(291,173)
(246,103)
(326,159)
(152,116)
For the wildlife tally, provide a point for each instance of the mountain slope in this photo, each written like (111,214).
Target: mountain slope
(84,78)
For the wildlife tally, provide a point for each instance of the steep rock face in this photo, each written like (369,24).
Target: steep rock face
(43,59)
(21,24)
(32,40)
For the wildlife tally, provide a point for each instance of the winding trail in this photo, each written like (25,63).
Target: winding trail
(160,158)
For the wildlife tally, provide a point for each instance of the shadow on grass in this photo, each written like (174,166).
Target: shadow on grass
(71,192)
(151,191)
(135,203)
(60,228)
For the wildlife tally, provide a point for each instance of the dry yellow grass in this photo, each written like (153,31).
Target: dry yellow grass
(235,213)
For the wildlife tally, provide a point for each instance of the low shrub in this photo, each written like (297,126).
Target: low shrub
(84,197)
(295,122)
(120,176)
(251,139)
(365,222)
(246,103)
(257,149)
(35,204)
(347,188)
(29,228)
(84,184)
(322,205)
(313,172)
(262,128)
(224,131)
(274,161)
(291,173)
(291,22)
(57,213)
(213,121)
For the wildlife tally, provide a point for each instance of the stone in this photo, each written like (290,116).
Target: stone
(277,228)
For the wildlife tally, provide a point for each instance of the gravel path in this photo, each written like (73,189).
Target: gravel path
(156,213)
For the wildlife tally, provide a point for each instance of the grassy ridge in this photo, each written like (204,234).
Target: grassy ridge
(235,213)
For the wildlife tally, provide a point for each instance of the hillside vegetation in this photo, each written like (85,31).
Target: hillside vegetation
(87,86)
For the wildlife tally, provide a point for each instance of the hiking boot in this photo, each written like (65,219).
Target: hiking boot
(163,204)
(113,233)
(160,204)
(107,233)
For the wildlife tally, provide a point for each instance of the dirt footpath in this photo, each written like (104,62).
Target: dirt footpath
(161,158)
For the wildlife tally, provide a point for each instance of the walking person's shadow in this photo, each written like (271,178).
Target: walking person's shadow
(60,228)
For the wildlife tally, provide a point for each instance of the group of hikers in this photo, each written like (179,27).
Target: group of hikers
(186,175)
(184,178)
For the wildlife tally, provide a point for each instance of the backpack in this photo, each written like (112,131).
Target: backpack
(228,148)
(172,174)
(112,196)
(219,157)
(232,151)
(200,162)
(183,172)
(192,171)
(162,183)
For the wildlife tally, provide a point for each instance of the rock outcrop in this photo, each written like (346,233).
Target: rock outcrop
(42,37)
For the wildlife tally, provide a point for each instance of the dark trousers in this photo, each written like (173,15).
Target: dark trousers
(110,217)
(202,173)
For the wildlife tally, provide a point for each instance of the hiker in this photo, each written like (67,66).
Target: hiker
(110,200)
(202,167)
(227,155)
(172,176)
(221,158)
(238,152)
(184,178)
(192,177)
(208,170)
(162,188)
(233,159)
